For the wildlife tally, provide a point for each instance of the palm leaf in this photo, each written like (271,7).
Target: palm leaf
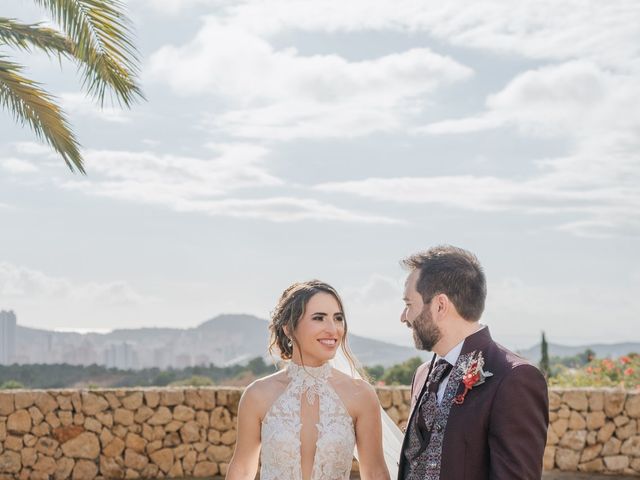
(32,105)
(28,36)
(101,34)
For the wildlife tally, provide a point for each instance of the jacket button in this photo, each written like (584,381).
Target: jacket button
(438,427)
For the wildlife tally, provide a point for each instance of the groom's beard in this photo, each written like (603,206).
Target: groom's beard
(425,332)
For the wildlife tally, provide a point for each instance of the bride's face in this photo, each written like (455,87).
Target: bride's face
(320,330)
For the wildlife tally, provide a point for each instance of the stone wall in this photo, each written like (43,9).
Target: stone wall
(594,431)
(117,433)
(190,432)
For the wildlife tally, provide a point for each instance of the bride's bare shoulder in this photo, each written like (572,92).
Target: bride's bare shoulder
(262,392)
(264,385)
(355,392)
(353,385)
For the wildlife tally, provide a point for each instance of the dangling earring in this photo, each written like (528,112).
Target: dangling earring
(290,343)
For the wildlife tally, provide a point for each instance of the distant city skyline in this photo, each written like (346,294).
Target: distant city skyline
(286,140)
(8,324)
(222,341)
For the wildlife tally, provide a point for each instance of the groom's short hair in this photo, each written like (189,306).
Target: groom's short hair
(455,272)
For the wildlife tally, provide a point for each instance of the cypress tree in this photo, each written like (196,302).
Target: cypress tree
(544,358)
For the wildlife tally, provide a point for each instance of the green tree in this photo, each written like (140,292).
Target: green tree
(193,381)
(11,385)
(164,378)
(257,366)
(544,357)
(93,33)
(402,373)
(375,372)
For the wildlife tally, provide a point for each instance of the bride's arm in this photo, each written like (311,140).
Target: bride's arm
(244,464)
(369,436)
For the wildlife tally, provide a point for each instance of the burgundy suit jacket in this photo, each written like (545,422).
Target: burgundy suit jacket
(500,431)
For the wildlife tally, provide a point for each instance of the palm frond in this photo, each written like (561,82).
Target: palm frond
(28,36)
(101,33)
(31,105)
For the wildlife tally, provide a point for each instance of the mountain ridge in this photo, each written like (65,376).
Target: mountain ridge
(602,350)
(221,340)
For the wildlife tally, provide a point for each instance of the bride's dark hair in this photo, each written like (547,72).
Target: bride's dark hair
(290,309)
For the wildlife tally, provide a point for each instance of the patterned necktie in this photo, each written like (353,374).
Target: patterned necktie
(429,401)
(440,370)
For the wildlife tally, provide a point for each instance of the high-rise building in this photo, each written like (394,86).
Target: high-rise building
(121,356)
(7,337)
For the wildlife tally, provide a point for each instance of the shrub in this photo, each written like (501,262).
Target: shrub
(11,385)
(606,372)
(194,381)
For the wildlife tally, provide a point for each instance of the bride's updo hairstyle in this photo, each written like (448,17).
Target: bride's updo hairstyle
(291,308)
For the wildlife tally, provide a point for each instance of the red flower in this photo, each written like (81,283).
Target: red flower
(473,376)
(608,364)
(628,371)
(625,359)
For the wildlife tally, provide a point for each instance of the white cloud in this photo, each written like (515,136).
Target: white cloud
(280,94)
(21,283)
(377,288)
(77,103)
(173,7)
(284,209)
(548,29)
(254,71)
(597,185)
(162,178)
(31,148)
(224,185)
(574,99)
(17,165)
(596,181)
(290,120)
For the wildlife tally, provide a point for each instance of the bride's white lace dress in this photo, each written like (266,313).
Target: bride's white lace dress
(280,455)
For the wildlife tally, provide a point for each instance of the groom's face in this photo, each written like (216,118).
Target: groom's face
(417,315)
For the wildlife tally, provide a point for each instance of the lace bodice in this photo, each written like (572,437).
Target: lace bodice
(281,441)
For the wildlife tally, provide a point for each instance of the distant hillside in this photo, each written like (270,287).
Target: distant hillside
(602,350)
(223,340)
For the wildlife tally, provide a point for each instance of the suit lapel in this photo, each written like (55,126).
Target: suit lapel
(473,344)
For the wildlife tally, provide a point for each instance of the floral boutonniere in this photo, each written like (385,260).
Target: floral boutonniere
(473,375)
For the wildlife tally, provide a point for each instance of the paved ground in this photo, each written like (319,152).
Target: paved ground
(556,476)
(583,476)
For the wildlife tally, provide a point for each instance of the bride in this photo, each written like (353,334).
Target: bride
(303,422)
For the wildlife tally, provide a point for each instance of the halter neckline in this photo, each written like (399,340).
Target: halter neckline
(310,380)
(321,373)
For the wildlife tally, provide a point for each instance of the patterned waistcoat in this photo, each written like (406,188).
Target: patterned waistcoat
(423,461)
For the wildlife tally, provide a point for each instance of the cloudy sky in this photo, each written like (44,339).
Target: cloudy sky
(284,140)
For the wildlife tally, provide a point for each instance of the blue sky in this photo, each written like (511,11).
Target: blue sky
(285,140)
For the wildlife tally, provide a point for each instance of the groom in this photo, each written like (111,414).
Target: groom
(478,411)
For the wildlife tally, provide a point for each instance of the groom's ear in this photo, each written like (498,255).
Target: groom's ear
(441,303)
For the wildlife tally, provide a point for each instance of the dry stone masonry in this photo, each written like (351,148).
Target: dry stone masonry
(594,431)
(191,432)
(150,433)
